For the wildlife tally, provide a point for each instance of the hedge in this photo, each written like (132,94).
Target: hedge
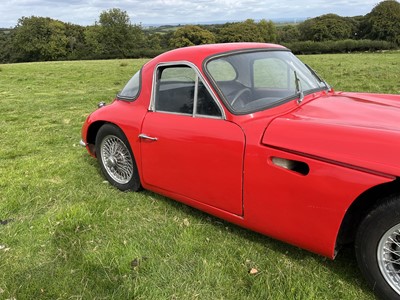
(343,46)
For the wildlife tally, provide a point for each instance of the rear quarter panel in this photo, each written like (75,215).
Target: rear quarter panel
(303,210)
(127,115)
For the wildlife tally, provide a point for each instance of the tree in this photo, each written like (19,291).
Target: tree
(267,30)
(93,42)
(5,46)
(165,39)
(247,31)
(154,41)
(288,34)
(117,35)
(357,24)
(191,35)
(38,39)
(383,22)
(326,27)
(76,40)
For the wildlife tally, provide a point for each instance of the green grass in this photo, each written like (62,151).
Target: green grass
(73,236)
(359,72)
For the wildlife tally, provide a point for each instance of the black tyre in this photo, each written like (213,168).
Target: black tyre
(377,248)
(116,159)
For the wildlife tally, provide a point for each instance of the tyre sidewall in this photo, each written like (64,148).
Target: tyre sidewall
(107,130)
(371,230)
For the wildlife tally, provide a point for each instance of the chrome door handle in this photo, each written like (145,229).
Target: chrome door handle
(145,136)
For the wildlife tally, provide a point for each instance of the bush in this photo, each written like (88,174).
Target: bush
(344,46)
(134,53)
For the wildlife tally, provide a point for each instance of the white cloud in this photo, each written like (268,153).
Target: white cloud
(86,12)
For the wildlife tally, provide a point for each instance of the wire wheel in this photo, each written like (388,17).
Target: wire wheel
(116,159)
(388,254)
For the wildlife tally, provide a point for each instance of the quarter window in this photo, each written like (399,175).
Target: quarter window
(206,105)
(132,88)
(180,90)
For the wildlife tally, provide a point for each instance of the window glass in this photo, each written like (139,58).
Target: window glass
(178,73)
(263,79)
(221,70)
(272,73)
(205,102)
(131,89)
(177,93)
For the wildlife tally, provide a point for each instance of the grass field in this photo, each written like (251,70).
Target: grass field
(70,235)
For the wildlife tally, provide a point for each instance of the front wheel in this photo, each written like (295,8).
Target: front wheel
(378,248)
(116,158)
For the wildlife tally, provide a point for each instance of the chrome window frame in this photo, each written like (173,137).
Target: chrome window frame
(199,76)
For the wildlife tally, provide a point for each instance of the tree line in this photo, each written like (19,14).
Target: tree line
(114,36)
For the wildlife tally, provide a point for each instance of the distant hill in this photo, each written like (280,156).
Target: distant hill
(275,20)
(5,30)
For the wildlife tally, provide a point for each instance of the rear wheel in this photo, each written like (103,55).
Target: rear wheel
(378,248)
(116,158)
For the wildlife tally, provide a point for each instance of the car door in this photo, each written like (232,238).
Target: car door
(187,146)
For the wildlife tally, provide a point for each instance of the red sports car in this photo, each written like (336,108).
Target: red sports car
(250,134)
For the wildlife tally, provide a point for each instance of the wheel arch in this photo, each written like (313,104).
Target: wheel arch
(359,209)
(92,133)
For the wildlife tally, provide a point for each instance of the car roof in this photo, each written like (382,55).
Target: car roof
(197,54)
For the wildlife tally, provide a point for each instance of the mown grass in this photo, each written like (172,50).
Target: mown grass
(359,72)
(70,235)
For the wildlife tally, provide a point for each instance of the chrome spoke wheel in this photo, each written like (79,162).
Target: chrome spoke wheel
(116,159)
(388,255)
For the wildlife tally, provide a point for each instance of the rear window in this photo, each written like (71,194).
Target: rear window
(132,88)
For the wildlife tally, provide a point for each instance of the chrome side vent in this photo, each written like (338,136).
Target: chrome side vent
(292,165)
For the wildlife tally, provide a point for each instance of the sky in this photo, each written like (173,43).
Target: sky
(148,12)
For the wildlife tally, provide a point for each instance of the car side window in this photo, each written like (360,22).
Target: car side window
(180,90)
(175,90)
(206,105)
(131,89)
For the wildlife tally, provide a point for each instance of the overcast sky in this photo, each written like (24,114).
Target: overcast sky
(86,12)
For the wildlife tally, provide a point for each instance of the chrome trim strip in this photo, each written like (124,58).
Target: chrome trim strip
(188,115)
(196,95)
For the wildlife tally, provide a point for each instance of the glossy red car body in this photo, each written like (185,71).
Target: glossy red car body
(226,166)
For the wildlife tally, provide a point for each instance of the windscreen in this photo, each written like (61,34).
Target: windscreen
(252,81)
